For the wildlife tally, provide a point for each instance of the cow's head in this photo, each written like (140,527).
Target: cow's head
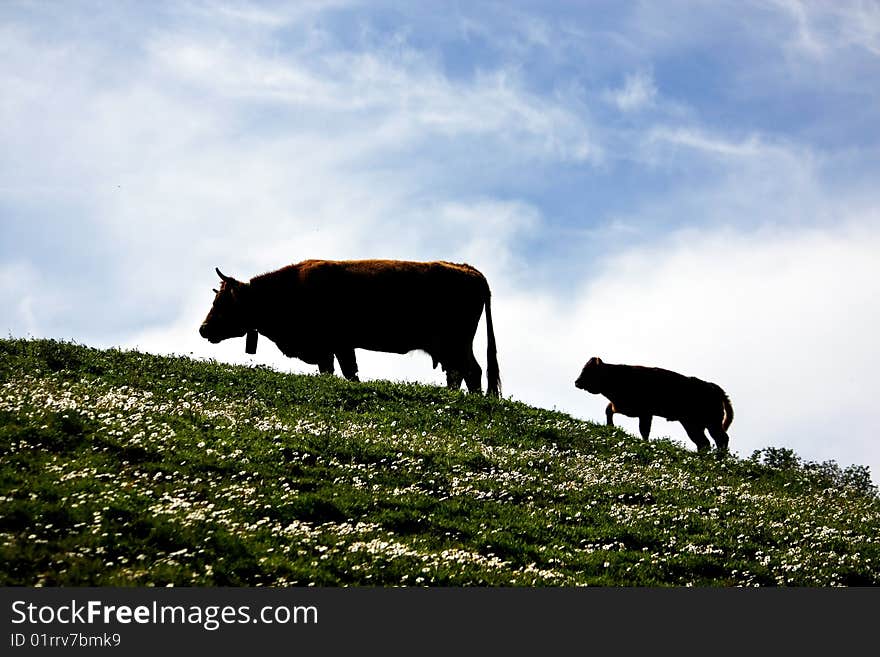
(590,378)
(228,317)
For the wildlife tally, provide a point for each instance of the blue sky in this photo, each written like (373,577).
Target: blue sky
(690,185)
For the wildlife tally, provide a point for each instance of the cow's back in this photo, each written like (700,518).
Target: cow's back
(386,305)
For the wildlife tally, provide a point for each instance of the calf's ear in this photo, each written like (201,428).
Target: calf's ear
(595,360)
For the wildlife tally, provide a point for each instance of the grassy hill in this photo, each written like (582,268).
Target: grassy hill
(122,468)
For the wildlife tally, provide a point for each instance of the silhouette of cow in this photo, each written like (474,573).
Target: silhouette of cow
(644,392)
(317,309)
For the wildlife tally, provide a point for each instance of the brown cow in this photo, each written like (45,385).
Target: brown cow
(644,392)
(317,309)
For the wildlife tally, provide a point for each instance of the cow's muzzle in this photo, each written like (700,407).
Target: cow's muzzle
(203,331)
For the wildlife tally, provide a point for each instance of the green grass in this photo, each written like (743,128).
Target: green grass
(122,468)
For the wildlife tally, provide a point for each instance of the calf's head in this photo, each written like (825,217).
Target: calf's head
(590,378)
(228,317)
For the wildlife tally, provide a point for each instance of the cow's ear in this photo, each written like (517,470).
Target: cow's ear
(595,360)
(239,291)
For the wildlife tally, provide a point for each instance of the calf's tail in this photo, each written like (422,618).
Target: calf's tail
(728,410)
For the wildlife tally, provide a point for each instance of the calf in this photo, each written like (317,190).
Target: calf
(644,392)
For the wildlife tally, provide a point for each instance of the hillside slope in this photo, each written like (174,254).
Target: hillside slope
(122,468)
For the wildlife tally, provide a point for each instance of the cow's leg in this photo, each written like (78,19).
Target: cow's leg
(453,378)
(609,414)
(453,368)
(348,364)
(645,425)
(473,374)
(325,363)
(720,437)
(695,432)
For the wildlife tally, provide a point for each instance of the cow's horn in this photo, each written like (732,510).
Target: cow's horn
(228,279)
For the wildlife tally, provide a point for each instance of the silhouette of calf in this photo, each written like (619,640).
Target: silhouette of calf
(644,392)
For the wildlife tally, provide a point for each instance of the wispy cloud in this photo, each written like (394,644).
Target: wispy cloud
(821,28)
(402,91)
(637,92)
(709,144)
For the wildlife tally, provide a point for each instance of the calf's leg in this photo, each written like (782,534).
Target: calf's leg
(720,437)
(609,414)
(645,425)
(695,433)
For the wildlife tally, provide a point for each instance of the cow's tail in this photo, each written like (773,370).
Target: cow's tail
(728,410)
(493,375)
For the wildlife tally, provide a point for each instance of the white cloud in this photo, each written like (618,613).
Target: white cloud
(825,28)
(156,151)
(278,15)
(17,283)
(638,92)
(393,94)
(30,301)
(710,144)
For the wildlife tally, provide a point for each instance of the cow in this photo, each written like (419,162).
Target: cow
(644,392)
(317,309)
